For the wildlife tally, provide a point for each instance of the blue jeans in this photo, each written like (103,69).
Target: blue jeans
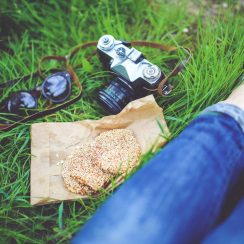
(179,195)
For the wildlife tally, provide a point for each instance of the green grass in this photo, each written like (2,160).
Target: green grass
(31,29)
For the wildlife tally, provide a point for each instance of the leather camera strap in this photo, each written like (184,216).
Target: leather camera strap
(40,72)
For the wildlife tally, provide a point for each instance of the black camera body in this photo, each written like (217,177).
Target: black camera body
(133,75)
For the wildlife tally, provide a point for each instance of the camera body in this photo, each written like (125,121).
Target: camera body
(133,74)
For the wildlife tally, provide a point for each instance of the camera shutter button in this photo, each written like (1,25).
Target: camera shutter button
(151,72)
(105,40)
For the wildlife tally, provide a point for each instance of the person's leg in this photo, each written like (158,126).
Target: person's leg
(178,195)
(236,192)
(231,231)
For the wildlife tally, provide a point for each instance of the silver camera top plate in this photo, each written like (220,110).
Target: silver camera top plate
(128,62)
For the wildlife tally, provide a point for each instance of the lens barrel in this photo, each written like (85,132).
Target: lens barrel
(116,96)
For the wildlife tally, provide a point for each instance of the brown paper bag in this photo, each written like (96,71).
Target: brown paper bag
(51,143)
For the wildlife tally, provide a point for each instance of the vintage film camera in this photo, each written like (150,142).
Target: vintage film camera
(133,74)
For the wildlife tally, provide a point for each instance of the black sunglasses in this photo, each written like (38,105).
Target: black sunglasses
(20,106)
(55,88)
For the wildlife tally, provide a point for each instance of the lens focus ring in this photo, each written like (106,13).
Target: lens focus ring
(115,96)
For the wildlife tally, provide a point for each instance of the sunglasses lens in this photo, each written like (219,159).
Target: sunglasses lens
(20,100)
(57,87)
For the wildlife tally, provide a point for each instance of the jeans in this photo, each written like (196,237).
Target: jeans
(179,195)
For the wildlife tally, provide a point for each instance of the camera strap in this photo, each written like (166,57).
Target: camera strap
(40,72)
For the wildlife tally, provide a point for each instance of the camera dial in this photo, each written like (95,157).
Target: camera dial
(106,42)
(120,52)
(151,73)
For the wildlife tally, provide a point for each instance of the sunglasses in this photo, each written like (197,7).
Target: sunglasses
(56,88)
(21,106)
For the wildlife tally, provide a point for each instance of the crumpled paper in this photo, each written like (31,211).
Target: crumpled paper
(51,143)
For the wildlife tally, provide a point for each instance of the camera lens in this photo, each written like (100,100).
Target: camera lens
(116,96)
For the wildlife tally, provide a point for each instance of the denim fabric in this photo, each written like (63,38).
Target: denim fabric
(177,197)
(232,110)
(231,231)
